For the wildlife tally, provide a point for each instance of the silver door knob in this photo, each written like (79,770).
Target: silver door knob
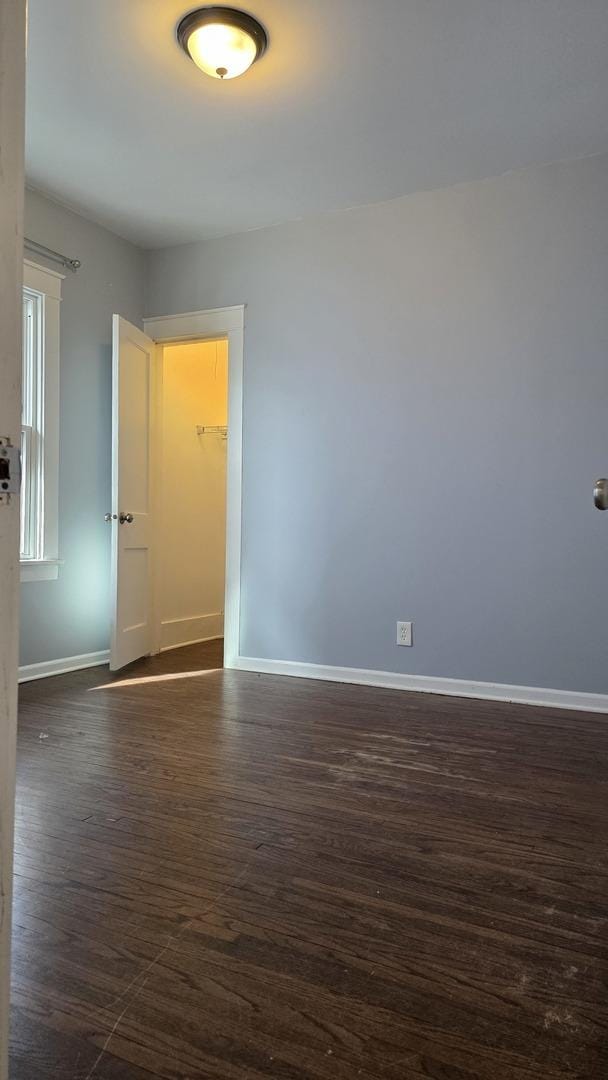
(126,519)
(600,494)
(110,517)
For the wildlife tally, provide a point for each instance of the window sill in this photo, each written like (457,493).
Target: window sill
(39,569)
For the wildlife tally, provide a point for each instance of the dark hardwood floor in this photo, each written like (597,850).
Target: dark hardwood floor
(235,876)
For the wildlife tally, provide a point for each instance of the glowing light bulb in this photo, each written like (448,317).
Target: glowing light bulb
(222,51)
(222,42)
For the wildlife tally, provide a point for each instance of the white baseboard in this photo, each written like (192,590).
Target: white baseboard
(176,633)
(524,695)
(28,672)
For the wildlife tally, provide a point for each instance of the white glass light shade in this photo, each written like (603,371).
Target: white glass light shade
(222,51)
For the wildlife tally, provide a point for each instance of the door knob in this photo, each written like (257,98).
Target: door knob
(126,519)
(110,517)
(600,494)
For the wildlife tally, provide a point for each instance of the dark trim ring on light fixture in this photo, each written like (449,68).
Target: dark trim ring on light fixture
(229,17)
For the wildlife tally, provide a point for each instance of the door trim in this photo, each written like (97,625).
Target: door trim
(229,323)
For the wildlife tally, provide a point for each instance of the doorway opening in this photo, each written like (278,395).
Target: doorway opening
(137,403)
(191,547)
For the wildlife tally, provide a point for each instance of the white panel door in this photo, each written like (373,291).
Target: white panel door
(12,101)
(133,373)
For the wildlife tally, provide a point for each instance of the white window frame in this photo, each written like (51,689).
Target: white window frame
(40,435)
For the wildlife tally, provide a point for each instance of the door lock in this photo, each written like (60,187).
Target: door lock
(10,469)
(600,494)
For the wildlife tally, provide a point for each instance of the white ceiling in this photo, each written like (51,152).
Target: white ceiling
(356,101)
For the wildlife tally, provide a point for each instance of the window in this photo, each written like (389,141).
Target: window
(40,423)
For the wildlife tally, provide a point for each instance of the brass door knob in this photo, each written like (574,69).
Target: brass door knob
(600,494)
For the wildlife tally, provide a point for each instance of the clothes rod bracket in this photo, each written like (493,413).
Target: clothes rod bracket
(207,429)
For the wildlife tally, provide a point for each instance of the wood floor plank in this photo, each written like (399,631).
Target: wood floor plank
(228,875)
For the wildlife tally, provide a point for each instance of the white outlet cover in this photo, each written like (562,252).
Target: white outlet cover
(404,633)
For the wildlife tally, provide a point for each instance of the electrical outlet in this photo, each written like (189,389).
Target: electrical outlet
(404,633)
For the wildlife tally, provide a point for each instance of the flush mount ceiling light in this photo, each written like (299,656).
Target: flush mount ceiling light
(222,41)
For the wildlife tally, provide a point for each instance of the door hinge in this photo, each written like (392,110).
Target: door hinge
(10,470)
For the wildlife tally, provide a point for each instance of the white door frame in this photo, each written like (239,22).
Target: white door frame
(217,323)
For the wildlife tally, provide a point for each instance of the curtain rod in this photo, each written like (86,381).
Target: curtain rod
(54,256)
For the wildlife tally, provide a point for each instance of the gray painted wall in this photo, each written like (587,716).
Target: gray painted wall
(70,616)
(426,409)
